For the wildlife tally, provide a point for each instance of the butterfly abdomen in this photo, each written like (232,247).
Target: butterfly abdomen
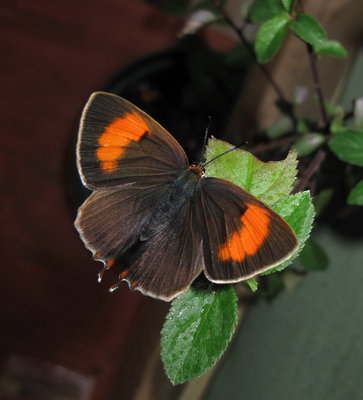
(180,192)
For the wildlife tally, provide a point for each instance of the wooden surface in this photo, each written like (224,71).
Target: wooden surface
(306,343)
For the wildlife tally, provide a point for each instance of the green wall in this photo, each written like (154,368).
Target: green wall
(306,344)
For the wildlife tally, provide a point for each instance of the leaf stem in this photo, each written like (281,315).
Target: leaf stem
(300,6)
(314,72)
(272,145)
(252,53)
(318,90)
(310,171)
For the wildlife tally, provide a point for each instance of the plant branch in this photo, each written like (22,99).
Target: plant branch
(314,72)
(272,145)
(300,6)
(318,90)
(313,167)
(252,53)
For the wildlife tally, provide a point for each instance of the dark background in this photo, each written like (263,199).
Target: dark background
(304,344)
(53,56)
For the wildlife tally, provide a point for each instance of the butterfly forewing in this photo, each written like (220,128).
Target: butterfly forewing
(118,143)
(241,235)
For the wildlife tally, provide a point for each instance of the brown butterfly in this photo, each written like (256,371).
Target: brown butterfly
(177,222)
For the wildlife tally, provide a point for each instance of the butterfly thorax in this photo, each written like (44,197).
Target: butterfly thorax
(178,194)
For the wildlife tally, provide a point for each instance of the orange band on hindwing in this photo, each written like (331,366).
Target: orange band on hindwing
(116,137)
(249,238)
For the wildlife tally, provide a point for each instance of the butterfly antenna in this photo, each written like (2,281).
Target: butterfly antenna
(226,152)
(201,162)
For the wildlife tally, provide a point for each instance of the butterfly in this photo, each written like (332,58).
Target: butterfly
(174,221)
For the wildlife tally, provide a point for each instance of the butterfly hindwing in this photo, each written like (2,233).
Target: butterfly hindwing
(111,221)
(241,235)
(168,262)
(118,143)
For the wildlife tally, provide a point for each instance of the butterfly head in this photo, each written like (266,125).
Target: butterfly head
(197,170)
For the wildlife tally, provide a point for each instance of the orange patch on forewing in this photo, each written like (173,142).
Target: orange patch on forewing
(116,137)
(249,238)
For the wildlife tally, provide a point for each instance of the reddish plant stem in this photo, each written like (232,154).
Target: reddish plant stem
(310,171)
(318,90)
(300,6)
(272,145)
(252,53)
(321,154)
(315,75)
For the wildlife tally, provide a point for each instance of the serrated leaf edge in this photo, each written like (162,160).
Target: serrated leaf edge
(227,341)
(305,233)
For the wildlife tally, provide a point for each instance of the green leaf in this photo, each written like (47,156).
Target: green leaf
(305,125)
(313,256)
(281,127)
(237,56)
(274,285)
(270,37)
(348,146)
(197,330)
(322,199)
(270,182)
(252,283)
(263,10)
(308,143)
(337,126)
(330,48)
(356,195)
(288,4)
(308,29)
(334,110)
(298,212)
